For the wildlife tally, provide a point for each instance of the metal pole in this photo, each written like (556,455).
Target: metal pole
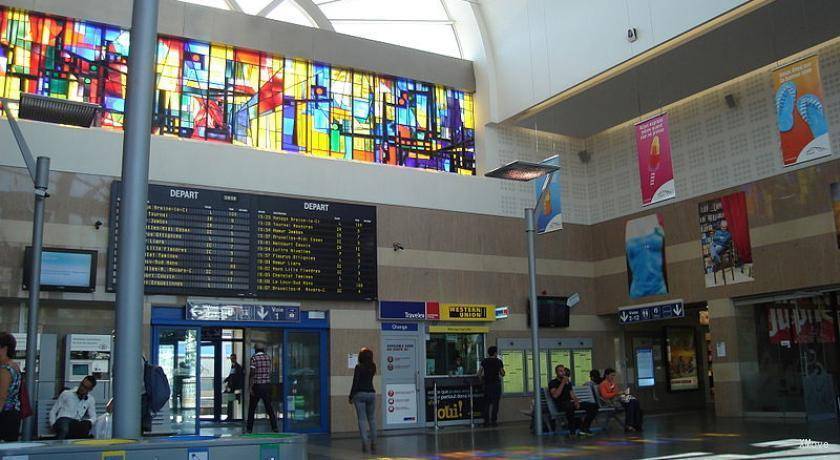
(535,340)
(42,181)
(132,220)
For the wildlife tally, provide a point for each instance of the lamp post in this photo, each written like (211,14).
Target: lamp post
(524,171)
(40,108)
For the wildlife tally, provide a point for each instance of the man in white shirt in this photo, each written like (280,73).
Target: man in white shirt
(74,411)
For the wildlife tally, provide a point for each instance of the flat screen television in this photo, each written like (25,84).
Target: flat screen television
(69,270)
(551,311)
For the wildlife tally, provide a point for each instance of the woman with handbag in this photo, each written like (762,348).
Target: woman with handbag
(10,386)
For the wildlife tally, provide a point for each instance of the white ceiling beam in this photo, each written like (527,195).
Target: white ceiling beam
(314,12)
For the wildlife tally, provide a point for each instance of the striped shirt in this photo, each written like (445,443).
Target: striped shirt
(260,368)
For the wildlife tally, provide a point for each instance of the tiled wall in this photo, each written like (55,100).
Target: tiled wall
(713,147)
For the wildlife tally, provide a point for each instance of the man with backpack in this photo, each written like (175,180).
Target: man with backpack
(156,393)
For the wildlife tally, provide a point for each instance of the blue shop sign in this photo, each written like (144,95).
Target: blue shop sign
(399,327)
(651,312)
(402,310)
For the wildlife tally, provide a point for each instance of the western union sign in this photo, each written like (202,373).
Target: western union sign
(467,312)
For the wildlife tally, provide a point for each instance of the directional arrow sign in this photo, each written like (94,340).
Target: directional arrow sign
(217,311)
(651,312)
(261,312)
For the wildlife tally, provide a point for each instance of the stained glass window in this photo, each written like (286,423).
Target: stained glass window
(214,92)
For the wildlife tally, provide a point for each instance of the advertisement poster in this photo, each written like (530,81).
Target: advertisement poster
(549,214)
(725,240)
(682,359)
(400,403)
(399,355)
(644,241)
(454,403)
(835,204)
(800,112)
(800,325)
(653,148)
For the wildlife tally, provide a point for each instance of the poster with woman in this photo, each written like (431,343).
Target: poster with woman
(725,240)
(800,112)
(644,243)
(681,352)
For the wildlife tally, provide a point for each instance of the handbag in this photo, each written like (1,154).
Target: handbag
(25,406)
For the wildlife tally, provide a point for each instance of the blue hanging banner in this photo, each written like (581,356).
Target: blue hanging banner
(549,212)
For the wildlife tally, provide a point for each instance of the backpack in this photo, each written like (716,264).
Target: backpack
(157,386)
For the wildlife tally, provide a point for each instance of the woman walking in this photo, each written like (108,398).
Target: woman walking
(10,382)
(363,396)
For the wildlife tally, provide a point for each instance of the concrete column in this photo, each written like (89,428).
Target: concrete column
(724,327)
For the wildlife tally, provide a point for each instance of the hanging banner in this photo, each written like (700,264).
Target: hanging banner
(725,240)
(549,214)
(653,148)
(800,112)
(644,243)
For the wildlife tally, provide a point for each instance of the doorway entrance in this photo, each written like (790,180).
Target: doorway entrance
(210,391)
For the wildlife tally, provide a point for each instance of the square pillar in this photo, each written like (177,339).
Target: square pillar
(724,327)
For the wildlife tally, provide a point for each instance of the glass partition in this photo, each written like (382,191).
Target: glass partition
(454,354)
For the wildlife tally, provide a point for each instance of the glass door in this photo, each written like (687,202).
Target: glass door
(305,365)
(270,340)
(177,353)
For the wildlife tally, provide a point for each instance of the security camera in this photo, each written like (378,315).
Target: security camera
(97,225)
(398,247)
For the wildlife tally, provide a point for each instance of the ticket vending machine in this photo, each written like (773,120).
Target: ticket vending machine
(47,348)
(88,354)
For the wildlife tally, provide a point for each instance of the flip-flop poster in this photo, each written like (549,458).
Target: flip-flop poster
(801,116)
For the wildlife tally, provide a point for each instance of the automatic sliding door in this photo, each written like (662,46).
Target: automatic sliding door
(304,354)
(177,354)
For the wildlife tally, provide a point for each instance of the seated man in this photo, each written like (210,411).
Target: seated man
(74,411)
(610,392)
(564,396)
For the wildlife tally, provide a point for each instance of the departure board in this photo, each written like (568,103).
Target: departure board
(220,243)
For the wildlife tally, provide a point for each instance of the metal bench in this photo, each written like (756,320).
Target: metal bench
(589,392)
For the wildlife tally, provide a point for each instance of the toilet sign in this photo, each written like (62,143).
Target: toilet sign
(651,312)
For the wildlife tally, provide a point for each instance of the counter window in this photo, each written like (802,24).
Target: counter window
(454,354)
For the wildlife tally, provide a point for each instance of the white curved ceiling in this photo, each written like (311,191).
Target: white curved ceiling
(420,24)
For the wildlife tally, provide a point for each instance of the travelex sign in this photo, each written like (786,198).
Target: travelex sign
(651,312)
(435,311)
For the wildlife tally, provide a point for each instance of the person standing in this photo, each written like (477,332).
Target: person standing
(236,376)
(73,414)
(609,391)
(491,372)
(560,389)
(260,388)
(10,382)
(363,397)
(233,384)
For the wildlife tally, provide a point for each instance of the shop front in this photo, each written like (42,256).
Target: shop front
(196,345)
(431,354)
(790,355)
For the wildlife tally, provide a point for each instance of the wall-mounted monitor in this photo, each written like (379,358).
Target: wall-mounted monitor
(70,270)
(551,311)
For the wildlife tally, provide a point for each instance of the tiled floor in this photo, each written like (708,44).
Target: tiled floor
(687,436)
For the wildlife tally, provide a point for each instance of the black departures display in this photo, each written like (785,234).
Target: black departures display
(222,243)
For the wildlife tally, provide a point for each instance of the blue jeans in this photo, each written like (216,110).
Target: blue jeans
(366,410)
